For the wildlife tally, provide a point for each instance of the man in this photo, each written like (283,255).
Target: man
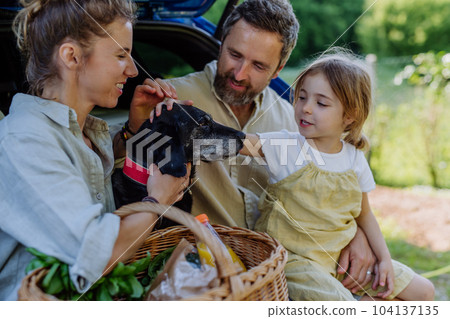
(234,90)
(258,38)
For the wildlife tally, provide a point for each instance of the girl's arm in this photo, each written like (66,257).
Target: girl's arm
(252,146)
(369,224)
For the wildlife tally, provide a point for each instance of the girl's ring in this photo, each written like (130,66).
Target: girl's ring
(369,272)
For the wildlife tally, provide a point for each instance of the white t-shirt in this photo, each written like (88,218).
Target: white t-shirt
(287,152)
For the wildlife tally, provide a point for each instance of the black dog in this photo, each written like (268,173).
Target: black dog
(184,134)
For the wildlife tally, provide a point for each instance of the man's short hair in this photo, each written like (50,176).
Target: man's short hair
(268,15)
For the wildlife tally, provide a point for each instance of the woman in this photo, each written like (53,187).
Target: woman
(56,160)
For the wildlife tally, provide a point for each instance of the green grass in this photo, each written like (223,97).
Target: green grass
(420,259)
(424,261)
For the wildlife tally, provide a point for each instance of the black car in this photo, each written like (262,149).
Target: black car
(171,38)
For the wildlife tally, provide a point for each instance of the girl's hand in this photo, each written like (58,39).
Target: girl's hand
(384,277)
(145,98)
(169,103)
(166,188)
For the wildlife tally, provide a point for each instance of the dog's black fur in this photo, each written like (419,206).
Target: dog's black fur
(183,124)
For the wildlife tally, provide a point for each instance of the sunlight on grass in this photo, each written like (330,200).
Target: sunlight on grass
(390,229)
(422,260)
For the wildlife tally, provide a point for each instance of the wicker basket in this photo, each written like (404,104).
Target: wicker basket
(263,256)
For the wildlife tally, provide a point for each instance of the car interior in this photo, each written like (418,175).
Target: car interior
(161,49)
(12,78)
(164,48)
(169,41)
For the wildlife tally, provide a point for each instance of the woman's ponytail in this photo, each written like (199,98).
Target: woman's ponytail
(22,21)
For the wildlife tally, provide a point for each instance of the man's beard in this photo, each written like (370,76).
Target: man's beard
(230,96)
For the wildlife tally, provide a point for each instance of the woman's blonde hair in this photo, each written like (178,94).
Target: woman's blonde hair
(350,80)
(43,24)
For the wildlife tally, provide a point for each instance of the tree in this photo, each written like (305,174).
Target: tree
(430,73)
(405,27)
(324,22)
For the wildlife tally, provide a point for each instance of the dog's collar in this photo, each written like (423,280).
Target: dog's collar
(135,171)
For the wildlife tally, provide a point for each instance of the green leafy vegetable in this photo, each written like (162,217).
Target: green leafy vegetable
(120,283)
(158,262)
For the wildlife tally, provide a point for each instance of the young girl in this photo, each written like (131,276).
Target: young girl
(319,180)
(56,160)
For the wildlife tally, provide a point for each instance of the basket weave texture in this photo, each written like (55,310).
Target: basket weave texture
(263,256)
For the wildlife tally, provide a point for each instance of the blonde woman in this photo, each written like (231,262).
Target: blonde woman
(56,160)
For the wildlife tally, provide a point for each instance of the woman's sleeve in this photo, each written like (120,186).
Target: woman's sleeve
(47,205)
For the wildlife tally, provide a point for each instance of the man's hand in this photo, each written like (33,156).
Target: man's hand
(357,259)
(169,104)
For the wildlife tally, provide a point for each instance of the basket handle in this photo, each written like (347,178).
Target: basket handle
(225,267)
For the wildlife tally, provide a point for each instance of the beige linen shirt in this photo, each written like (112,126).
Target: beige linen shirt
(228,191)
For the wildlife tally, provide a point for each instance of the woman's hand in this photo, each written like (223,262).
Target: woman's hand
(166,188)
(145,98)
(136,227)
(169,103)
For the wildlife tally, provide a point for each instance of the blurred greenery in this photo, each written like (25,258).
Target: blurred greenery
(405,27)
(162,63)
(420,259)
(430,70)
(215,12)
(410,135)
(388,28)
(323,23)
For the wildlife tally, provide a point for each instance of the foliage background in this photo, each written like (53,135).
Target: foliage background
(384,27)
(405,27)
